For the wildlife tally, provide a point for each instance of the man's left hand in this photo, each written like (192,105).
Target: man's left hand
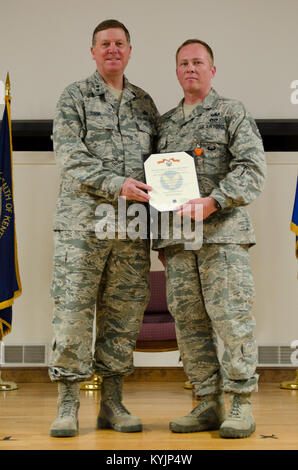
(189,208)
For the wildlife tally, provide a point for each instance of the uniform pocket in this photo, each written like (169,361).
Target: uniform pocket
(249,351)
(215,158)
(240,279)
(145,133)
(60,254)
(59,263)
(97,139)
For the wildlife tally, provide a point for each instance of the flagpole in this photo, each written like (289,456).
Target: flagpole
(7,86)
(6,386)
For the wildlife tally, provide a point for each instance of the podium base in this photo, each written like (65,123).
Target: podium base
(7,386)
(93,384)
(291,385)
(188,385)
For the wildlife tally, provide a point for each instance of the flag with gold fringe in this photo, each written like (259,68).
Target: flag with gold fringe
(294,221)
(10,285)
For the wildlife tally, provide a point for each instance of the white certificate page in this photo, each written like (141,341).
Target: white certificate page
(173,179)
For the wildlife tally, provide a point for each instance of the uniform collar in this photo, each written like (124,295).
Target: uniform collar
(207,103)
(99,87)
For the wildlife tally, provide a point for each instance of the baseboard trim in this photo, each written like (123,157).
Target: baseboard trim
(25,374)
(142,374)
(276,374)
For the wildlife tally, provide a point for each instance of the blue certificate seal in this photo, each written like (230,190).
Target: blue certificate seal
(171,180)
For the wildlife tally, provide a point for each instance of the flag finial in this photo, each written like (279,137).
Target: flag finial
(7,86)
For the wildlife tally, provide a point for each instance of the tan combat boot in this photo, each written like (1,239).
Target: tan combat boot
(113,413)
(206,416)
(240,421)
(66,422)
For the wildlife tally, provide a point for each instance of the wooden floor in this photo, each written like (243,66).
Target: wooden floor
(26,415)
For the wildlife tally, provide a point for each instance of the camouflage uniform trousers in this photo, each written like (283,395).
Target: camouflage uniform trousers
(210,293)
(113,273)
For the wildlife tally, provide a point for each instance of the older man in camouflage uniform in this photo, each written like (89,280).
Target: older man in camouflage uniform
(103,126)
(210,290)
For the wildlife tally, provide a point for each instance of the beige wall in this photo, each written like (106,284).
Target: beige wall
(45,46)
(273,258)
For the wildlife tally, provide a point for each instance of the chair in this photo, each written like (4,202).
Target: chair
(158,328)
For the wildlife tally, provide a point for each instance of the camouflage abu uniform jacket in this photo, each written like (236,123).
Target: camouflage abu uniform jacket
(98,144)
(231,169)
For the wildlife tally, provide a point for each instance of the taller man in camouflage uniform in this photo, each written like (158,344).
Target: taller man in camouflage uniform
(210,290)
(103,126)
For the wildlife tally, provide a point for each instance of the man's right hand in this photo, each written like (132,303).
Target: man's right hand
(135,190)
